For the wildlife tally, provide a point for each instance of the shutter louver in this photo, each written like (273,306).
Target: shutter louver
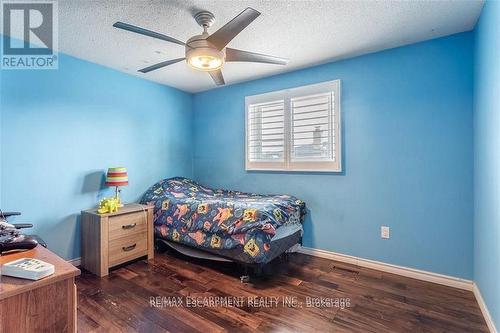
(312,128)
(266,132)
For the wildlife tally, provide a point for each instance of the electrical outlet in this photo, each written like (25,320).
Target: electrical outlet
(385,232)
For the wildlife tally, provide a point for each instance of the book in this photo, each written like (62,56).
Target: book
(27,268)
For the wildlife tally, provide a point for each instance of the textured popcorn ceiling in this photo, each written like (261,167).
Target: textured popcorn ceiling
(306,32)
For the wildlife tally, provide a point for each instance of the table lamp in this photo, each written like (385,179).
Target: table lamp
(117,177)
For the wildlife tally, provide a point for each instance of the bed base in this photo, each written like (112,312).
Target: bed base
(249,269)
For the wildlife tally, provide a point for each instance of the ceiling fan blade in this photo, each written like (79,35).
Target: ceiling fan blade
(146,32)
(217,77)
(224,35)
(240,55)
(160,65)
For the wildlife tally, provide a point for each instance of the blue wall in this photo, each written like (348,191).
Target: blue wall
(487,158)
(407,115)
(61,129)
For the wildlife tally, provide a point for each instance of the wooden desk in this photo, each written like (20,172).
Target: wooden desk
(46,305)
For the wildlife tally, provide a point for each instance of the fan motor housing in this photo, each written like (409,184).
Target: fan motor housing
(198,41)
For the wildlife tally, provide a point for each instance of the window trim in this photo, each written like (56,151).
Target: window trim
(286,95)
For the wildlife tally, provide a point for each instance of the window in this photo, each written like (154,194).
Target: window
(295,129)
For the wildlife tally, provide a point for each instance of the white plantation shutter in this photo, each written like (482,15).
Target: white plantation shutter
(296,129)
(312,128)
(266,126)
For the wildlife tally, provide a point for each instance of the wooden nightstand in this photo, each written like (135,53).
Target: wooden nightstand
(112,239)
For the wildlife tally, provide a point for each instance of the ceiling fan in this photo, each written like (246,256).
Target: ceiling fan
(208,52)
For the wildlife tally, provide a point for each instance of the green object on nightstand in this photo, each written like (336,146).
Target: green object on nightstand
(108,205)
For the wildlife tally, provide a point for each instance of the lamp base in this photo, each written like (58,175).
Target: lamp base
(117,196)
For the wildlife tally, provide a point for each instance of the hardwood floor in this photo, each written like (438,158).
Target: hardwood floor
(355,299)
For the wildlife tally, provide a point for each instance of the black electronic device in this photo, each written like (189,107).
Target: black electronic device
(11,239)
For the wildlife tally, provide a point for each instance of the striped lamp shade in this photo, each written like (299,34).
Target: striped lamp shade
(117,177)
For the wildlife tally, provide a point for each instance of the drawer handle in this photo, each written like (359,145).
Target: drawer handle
(129,248)
(129,226)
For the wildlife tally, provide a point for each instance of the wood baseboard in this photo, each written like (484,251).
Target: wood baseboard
(446,280)
(484,309)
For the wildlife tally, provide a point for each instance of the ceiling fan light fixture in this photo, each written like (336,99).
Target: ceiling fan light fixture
(205,59)
(208,52)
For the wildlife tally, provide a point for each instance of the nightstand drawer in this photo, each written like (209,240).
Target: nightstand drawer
(127,248)
(125,225)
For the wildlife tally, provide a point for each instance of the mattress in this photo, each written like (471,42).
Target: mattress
(220,220)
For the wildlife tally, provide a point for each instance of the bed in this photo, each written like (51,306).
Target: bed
(244,227)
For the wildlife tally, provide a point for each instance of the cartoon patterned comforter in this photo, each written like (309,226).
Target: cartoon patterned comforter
(189,213)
